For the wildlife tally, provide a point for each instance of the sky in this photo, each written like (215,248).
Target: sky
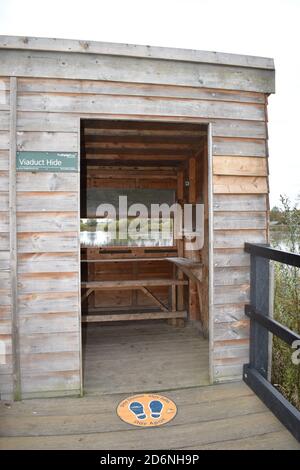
(268,28)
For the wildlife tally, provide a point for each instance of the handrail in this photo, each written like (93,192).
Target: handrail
(279,330)
(273,254)
(261,324)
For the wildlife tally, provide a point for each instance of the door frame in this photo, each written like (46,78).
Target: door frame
(210,227)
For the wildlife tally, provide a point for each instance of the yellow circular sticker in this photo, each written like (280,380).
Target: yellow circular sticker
(147,410)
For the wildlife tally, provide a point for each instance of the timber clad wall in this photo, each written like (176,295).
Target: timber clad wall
(104,86)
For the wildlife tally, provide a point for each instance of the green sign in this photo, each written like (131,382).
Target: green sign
(47,161)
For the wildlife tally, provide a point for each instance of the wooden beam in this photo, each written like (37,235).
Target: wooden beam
(155,299)
(17,392)
(164,133)
(142,139)
(135,70)
(135,51)
(131,284)
(133,124)
(139,157)
(86,294)
(141,152)
(192,269)
(133,316)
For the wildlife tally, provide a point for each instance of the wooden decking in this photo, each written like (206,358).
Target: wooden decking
(225,416)
(132,358)
(137,357)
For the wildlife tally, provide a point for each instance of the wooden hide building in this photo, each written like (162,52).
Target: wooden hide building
(83,122)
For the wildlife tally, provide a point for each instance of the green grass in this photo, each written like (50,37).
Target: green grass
(285,374)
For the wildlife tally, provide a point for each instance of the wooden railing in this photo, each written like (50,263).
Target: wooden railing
(261,324)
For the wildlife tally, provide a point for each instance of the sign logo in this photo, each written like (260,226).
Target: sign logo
(147,410)
(55,162)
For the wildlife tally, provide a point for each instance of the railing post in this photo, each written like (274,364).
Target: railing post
(259,299)
(261,325)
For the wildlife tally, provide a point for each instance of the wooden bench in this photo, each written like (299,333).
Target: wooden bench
(139,284)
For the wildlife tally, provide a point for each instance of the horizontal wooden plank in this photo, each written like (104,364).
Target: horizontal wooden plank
(241,147)
(4,260)
(46,201)
(47,262)
(5,297)
(30,304)
(47,282)
(133,316)
(4,83)
(5,366)
(238,329)
(5,312)
(240,202)
(228,313)
(5,329)
(4,181)
(140,70)
(240,185)
(6,385)
(4,241)
(4,115)
(231,257)
(41,323)
(68,122)
(240,220)
(3,201)
(248,166)
(36,242)
(237,238)
(134,50)
(4,140)
(239,128)
(99,87)
(132,284)
(45,363)
(229,372)
(46,182)
(51,381)
(97,104)
(49,342)
(198,396)
(4,280)
(231,276)
(232,351)
(4,99)
(4,158)
(47,221)
(231,294)
(4,222)
(7,341)
(47,141)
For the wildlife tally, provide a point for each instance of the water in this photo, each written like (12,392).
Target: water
(100,239)
(280,239)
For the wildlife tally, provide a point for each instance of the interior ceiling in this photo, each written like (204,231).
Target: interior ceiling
(132,143)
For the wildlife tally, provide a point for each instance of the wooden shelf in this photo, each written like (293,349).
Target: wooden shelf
(132,284)
(132,316)
(121,260)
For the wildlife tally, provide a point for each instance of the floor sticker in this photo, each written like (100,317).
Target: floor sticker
(147,410)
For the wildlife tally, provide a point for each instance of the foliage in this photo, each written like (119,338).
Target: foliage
(285,374)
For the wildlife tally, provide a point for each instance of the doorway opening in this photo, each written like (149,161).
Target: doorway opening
(144,262)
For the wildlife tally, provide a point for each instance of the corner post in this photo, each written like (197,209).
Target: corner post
(13,241)
(259,298)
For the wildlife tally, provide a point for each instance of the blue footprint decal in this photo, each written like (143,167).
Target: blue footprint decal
(137,408)
(156,407)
